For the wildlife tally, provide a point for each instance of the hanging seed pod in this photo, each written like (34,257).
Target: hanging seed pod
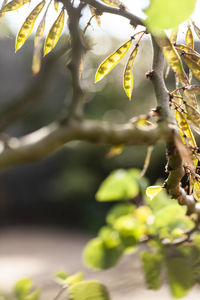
(128,73)
(28,25)
(13,5)
(110,62)
(54,33)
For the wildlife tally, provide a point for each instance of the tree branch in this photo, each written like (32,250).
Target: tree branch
(102,8)
(47,140)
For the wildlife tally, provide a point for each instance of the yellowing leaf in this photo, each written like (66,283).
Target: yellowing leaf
(142,213)
(27,27)
(152,191)
(115,150)
(13,5)
(109,63)
(54,33)
(56,5)
(128,75)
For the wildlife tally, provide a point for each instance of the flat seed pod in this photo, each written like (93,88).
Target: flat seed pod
(27,27)
(183,48)
(172,58)
(115,3)
(56,5)
(128,74)
(193,63)
(173,35)
(2,13)
(196,29)
(54,33)
(189,39)
(186,133)
(37,58)
(13,5)
(194,117)
(109,63)
(196,190)
(40,31)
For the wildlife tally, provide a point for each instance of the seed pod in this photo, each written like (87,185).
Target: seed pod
(56,5)
(189,39)
(13,5)
(128,75)
(37,58)
(28,25)
(2,13)
(115,3)
(196,29)
(109,63)
(54,33)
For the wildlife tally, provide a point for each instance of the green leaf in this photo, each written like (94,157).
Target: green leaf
(119,210)
(96,255)
(33,296)
(168,14)
(61,277)
(109,236)
(74,278)
(22,287)
(152,264)
(152,191)
(180,276)
(88,290)
(117,186)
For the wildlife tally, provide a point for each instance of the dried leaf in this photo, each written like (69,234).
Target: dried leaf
(194,116)
(109,63)
(13,5)
(54,33)
(114,151)
(97,17)
(184,153)
(128,73)
(28,25)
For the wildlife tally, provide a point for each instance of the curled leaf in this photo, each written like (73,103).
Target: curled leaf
(27,27)
(54,33)
(109,63)
(128,75)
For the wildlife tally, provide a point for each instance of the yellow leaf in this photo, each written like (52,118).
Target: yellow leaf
(128,73)
(27,27)
(153,190)
(109,63)
(115,150)
(143,213)
(13,5)
(54,33)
